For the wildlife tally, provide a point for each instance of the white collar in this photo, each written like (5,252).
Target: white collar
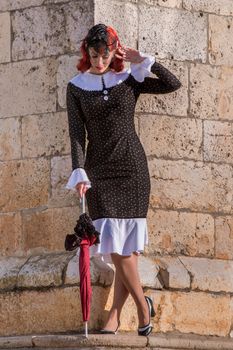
(93,82)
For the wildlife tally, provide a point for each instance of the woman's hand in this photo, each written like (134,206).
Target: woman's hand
(128,54)
(81,188)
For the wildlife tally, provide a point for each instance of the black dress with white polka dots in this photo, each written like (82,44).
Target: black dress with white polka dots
(115,160)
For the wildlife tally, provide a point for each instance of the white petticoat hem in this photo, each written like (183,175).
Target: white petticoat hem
(119,235)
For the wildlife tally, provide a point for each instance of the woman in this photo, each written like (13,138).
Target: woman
(114,175)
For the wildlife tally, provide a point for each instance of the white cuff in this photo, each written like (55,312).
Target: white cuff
(142,69)
(78,175)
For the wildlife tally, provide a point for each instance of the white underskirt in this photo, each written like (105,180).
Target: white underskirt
(121,236)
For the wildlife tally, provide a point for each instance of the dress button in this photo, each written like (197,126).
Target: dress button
(105,98)
(105,92)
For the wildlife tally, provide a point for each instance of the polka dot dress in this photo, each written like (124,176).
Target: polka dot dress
(102,108)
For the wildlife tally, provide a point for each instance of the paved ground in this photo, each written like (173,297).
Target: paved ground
(120,341)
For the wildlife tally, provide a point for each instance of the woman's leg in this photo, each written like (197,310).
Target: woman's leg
(119,297)
(127,269)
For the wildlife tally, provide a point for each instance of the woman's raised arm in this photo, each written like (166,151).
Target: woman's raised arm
(165,81)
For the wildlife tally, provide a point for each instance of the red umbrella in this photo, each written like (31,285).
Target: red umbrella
(86,230)
(85,278)
(83,237)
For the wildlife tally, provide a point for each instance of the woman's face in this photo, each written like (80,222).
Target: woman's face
(101,60)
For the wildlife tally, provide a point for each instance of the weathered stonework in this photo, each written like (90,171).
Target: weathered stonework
(60,29)
(174,103)
(127,21)
(220,40)
(22,189)
(170,37)
(196,186)
(220,7)
(60,172)
(32,90)
(9,5)
(66,70)
(5,37)
(218,141)
(209,275)
(45,230)
(173,232)
(164,136)
(45,135)
(25,311)
(11,234)
(187,312)
(224,237)
(211,90)
(187,136)
(10,140)
(28,283)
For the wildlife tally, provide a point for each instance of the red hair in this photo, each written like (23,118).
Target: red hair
(113,42)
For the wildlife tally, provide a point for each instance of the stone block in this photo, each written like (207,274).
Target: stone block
(25,184)
(101,273)
(172,232)
(181,35)
(10,139)
(187,312)
(66,70)
(220,7)
(224,237)
(51,310)
(59,29)
(211,90)
(80,17)
(220,39)
(164,3)
(43,270)
(218,140)
(45,135)
(123,18)
(60,172)
(45,230)
(5,37)
(9,269)
(10,234)
(193,185)
(148,272)
(170,3)
(173,273)
(174,103)
(9,5)
(164,136)
(209,274)
(29,42)
(33,88)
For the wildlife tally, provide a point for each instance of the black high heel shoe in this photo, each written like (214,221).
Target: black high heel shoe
(146,330)
(106,331)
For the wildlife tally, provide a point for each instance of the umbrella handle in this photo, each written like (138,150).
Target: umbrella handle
(82,201)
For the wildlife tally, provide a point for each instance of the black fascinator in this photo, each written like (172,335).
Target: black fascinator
(97,37)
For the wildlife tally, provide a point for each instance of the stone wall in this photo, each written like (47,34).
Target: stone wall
(187,136)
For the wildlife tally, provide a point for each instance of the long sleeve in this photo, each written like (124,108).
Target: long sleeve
(164,83)
(77,130)
(77,133)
